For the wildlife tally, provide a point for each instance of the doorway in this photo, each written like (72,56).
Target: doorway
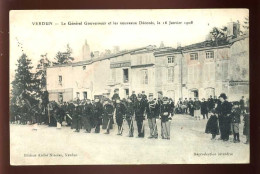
(194,93)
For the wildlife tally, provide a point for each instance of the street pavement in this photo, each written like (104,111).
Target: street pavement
(189,144)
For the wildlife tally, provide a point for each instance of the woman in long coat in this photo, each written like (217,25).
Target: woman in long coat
(224,110)
(76,119)
(87,115)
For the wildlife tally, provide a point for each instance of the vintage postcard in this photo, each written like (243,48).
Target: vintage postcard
(94,87)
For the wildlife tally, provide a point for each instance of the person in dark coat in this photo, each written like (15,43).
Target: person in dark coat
(133,97)
(130,116)
(107,122)
(212,125)
(235,121)
(98,111)
(204,108)
(77,115)
(87,114)
(151,116)
(165,119)
(211,104)
(139,115)
(224,110)
(69,113)
(242,104)
(246,130)
(120,112)
(191,107)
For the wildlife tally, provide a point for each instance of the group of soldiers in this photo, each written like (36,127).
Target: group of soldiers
(103,113)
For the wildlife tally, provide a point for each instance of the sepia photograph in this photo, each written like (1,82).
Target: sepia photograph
(109,87)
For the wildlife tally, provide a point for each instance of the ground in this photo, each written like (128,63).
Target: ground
(188,144)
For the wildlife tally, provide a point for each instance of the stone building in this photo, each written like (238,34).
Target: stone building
(198,70)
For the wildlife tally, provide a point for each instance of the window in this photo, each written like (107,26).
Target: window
(60,97)
(171,59)
(85,95)
(194,56)
(84,67)
(144,77)
(60,80)
(209,54)
(77,95)
(125,75)
(170,75)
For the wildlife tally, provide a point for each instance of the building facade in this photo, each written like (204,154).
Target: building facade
(198,70)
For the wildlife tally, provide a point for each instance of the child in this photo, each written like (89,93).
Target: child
(235,121)
(246,124)
(212,125)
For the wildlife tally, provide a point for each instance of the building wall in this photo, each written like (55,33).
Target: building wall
(239,69)
(227,71)
(207,76)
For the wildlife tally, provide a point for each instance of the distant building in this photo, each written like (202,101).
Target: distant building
(198,70)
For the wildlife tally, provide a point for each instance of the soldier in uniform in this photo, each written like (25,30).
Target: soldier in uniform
(129,116)
(97,114)
(115,96)
(165,118)
(139,115)
(120,112)
(133,97)
(235,121)
(87,114)
(107,123)
(69,113)
(151,116)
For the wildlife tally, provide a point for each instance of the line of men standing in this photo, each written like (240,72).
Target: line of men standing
(90,115)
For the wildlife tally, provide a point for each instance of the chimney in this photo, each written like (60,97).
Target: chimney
(233,29)
(162,44)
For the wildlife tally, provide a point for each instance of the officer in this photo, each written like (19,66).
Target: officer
(165,118)
(151,116)
(107,123)
(139,115)
(120,112)
(129,116)
(97,114)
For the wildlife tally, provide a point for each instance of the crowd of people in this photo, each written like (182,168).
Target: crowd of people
(103,113)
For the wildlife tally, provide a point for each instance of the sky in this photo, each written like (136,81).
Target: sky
(40,39)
